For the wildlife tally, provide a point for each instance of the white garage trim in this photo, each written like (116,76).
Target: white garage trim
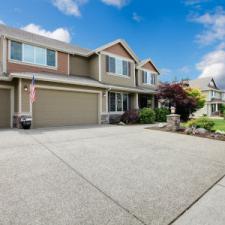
(11,101)
(57,88)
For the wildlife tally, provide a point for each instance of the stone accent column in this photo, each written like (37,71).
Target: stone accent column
(173,122)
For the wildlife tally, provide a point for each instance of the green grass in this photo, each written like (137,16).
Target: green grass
(219,124)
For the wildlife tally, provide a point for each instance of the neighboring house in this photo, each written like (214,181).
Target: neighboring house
(214,96)
(74,85)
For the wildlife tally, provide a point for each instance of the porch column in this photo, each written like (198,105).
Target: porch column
(136,104)
(217,108)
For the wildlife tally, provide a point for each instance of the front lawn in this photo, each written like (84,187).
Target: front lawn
(219,124)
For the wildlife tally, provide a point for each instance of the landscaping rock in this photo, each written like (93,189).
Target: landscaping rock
(162,125)
(121,124)
(201,131)
(188,130)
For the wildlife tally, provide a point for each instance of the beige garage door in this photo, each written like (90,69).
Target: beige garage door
(64,108)
(4,108)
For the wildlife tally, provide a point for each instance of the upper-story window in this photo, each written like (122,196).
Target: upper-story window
(117,66)
(213,94)
(149,78)
(32,54)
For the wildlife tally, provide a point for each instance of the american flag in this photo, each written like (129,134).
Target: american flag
(32,91)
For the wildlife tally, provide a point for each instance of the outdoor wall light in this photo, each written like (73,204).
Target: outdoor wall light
(25,88)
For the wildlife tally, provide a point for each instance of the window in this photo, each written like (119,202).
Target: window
(16,51)
(149,78)
(118,66)
(32,54)
(213,94)
(118,102)
(51,58)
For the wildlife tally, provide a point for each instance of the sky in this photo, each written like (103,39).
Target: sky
(184,38)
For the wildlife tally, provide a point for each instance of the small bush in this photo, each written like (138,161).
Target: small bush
(202,122)
(147,116)
(130,117)
(161,113)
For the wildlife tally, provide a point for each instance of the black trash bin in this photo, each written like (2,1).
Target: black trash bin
(26,122)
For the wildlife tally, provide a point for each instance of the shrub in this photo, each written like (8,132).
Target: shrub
(161,113)
(130,117)
(202,122)
(147,115)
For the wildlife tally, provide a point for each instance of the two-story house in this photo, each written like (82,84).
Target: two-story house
(73,85)
(214,96)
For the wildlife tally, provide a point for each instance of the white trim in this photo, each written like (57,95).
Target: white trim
(146,70)
(99,107)
(47,87)
(107,102)
(4,55)
(118,75)
(22,62)
(100,66)
(20,96)
(11,101)
(117,56)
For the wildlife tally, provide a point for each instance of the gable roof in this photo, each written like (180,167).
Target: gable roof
(145,61)
(203,83)
(118,41)
(21,35)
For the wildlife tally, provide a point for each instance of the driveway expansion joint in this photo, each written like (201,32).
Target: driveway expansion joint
(88,181)
(201,196)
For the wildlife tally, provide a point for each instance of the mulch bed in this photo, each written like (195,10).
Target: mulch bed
(209,135)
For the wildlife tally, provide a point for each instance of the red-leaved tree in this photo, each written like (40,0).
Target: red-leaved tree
(175,95)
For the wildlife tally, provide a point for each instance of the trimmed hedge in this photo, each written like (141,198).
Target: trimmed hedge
(147,116)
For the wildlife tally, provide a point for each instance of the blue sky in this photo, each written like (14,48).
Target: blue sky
(184,38)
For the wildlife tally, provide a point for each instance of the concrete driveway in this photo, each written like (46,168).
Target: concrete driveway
(103,175)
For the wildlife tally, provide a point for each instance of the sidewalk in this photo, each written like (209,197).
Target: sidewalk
(210,209)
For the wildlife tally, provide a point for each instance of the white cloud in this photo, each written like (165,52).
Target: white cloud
(165,71)
(136,17)
(60,33)
(116,3)
(184,69)
(195,2)
(214,24)
(213,65)
(2,22)
(69,7)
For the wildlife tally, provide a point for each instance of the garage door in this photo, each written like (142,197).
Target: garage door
(4,108)
(64,108)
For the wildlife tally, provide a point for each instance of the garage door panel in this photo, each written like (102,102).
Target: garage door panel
(4,108)
(64,108)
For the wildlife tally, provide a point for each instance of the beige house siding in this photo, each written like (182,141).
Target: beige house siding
(94,66)
(1,51)
(79,65)
(112,79)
